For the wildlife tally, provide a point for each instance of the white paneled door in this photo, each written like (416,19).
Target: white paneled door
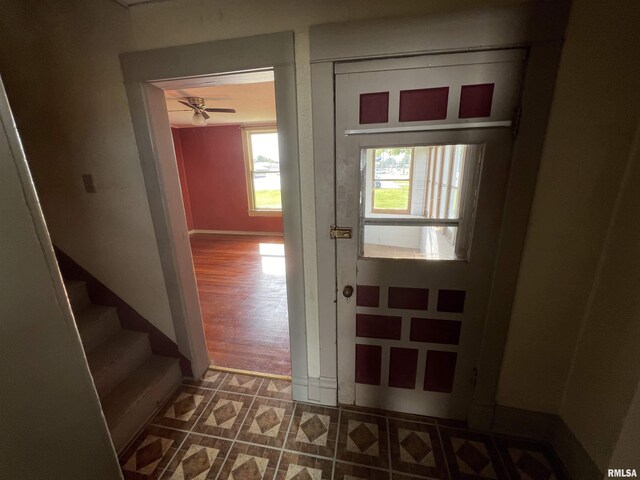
(423,149)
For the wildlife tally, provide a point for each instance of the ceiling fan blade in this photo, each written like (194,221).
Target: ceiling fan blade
(204,114)
(187,105)
(221,110)
(178,110)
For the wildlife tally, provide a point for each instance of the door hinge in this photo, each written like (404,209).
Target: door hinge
(339,232)
(515,124)
(474,378)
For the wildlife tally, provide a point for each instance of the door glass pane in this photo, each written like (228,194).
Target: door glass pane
(426,243)
(425,186)
(392,180)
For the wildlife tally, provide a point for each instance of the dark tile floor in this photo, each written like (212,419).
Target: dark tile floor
(238,427)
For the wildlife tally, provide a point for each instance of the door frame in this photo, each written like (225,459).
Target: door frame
(157,157)
(450,274)
(538,27)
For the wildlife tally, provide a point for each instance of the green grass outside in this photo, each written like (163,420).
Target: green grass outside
(391,198)
(268,200)
(385,199)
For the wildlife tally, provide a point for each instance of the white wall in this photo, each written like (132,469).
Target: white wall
(595,110)
(52,423)
(61,67)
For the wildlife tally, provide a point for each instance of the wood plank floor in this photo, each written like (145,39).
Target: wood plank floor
(244,301)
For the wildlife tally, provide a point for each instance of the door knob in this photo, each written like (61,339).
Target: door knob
(347,291)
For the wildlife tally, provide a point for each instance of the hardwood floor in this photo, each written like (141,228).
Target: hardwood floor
(243,296)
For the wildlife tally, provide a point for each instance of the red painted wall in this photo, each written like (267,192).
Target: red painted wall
(183,179)
(213,165)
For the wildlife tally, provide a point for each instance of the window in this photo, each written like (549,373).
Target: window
(262,165)
(418,201)
(391,171)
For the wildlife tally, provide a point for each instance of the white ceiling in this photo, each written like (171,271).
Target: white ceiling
(252,94)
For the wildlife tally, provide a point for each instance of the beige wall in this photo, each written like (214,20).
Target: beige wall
(572,345)
(627,450)
(595,110)
(52,423)
(606,366)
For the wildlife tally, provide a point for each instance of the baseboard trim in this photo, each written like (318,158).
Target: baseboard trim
(552,429)
(272,376)
(318,390)
(236,232)
(525,423)
(130,319)
(480,416)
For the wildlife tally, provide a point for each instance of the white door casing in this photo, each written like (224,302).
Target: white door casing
(488,132)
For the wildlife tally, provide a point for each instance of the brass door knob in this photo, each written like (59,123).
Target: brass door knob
(347,291)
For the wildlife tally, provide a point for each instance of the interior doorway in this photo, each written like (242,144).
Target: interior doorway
(225,135)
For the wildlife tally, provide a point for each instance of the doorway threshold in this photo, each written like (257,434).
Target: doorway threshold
(271,376)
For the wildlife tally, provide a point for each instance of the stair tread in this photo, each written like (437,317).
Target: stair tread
(105,354)
(96,324)
(134,387)
(92,313)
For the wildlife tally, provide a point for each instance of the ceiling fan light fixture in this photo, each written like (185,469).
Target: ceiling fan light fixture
(198,120)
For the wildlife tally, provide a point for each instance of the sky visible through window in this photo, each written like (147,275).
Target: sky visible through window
(264,146)
(266,171)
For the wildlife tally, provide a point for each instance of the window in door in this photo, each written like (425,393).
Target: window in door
(418,201)
(262,167)
(391,191)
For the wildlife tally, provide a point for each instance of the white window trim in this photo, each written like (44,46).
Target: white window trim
(248,169)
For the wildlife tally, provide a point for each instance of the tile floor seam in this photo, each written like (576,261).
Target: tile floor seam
(286,437)
(244,442)
(389,447)
(233,442)
(278,463)
(502,461)
(446,463)
(335,449)
(173,456)
(371,467)
(189,432)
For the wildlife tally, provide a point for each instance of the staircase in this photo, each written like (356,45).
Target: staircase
(131,381)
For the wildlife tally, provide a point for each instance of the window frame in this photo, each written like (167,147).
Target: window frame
(468,191)
(253,211)
(392,211)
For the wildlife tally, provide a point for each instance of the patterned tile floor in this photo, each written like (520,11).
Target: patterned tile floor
(238,427)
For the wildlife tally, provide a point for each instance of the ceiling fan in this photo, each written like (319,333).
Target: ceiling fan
(200,115)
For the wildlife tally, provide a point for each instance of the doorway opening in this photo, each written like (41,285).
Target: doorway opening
(225,134)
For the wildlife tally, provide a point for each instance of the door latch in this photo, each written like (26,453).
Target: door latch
(339,232)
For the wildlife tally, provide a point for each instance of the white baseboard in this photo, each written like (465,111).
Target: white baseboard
(237,232)
(322,391)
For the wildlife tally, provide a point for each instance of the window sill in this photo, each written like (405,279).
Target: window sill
(265,213)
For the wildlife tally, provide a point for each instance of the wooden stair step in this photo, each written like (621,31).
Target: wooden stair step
(137,398)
